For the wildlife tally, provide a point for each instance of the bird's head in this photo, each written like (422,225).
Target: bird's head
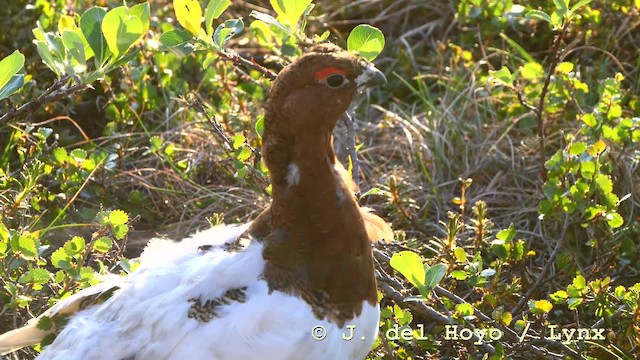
(311,94)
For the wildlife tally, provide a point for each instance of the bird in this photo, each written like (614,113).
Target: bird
(297,282)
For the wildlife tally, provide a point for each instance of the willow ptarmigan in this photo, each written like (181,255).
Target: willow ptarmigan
(260,290)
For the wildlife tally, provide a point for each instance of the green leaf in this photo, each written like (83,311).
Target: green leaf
(4,238)
(434,275)
(615,111)
(120,231)
(501,77)
(189,14)
(208,60)
(579,4)
(574,303)
(460,254)
(25,244)
(614,219)
(559,296)
(118,217)
(260,126)
(589,120)
(74,246)
(238,140)
(47,57)
(176,41)
(60,155)
(10,80)
(91,27)
(9,66)
(501,250)
(561,6)
(214,9)
(537,14)
(12,86)
(87,273)
(122,30)
(74,46)
(557,19)
(525,55)
(403,317)
(577,148)
(366,40)
(459,274)
(409,264)
(226,31)
(564,67)
(270,20)
(61,259)
(579,282)
(244,154)
(604,183)
(38,276)
(78,154)
(507,235)
(125,59)
(532,71)
(465,309)
(143,12)
(290,11)
(103,244)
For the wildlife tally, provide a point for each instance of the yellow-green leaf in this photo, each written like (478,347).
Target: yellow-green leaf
(532,71)
(214,9)
(118,217)
(409,264)
(103,244)
(189,14)
(544,305)
(460,254)
(366,40)
(564,67)
(290,11)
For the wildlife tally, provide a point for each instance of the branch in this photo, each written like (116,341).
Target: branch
(555,59)
(251,64)
(57,91)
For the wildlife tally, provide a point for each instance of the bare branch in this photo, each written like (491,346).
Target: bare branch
(57,91)
(251,64)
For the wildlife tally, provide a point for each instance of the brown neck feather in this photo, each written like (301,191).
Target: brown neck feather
(316,243)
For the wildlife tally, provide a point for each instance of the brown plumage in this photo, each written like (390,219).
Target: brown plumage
(318,240)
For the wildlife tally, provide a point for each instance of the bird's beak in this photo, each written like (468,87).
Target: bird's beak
(370,77)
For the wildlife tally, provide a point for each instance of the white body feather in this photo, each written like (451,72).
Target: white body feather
(147,317)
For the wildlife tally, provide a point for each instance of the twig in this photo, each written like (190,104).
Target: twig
(251,64)
(555,59)
(351,147)
(56,92)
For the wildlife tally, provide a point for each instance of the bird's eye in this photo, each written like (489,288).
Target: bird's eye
(336,80)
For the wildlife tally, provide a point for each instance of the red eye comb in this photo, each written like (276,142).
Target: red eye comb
(324,73)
